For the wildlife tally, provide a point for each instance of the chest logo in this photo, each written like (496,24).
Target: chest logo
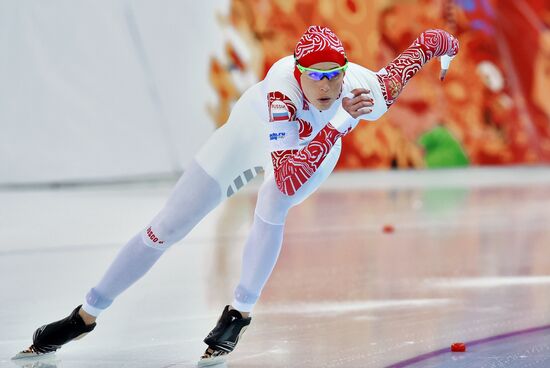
(277,136)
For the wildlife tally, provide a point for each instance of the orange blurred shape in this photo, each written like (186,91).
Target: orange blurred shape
(235,58)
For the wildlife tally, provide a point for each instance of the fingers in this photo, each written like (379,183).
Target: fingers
(360,104)
(361,95)
(359,91)
(361,101)
(357,109)
(364,110)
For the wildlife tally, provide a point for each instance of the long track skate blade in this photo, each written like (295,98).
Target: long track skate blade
(31,354)
(218,361)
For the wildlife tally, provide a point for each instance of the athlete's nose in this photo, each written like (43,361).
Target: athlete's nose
(324,85)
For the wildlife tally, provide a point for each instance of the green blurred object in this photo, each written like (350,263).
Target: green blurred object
(442,149)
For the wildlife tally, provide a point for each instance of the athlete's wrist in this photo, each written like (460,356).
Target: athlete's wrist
(343,121)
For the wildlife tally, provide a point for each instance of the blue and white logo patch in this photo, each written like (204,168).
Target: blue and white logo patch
(284,136)
(277,136)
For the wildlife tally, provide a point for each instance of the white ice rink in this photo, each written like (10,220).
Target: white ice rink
(469,260)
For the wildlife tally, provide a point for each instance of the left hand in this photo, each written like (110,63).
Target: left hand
(445,63)
(360,104)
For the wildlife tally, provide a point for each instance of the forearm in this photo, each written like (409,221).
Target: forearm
(431,43)
(293,168)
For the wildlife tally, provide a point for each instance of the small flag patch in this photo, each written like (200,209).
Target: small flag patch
(279,111)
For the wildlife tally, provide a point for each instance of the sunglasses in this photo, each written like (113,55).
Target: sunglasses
(317,74)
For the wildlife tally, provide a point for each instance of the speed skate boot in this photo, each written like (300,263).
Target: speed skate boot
(48,338)
(223,339)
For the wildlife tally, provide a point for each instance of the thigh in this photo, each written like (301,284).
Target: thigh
(237,151)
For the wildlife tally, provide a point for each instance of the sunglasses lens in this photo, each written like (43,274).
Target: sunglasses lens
(315,75)
(331,75)
(320,75)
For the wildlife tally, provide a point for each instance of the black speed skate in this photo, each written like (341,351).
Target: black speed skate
(48,338)
(223,339)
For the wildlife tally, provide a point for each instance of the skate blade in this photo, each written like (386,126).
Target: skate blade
(31,354)
(80,336)
(218,361)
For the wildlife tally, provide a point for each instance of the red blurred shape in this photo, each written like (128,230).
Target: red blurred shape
(458,347)
(388,229)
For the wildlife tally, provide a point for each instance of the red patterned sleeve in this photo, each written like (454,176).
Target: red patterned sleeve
(431,43)
(293,167)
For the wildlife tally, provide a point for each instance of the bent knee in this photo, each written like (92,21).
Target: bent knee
(160,237)
(272,205)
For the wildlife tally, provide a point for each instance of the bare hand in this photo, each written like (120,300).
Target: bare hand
(360,104)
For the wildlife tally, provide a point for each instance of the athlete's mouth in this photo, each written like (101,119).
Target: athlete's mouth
(324,99)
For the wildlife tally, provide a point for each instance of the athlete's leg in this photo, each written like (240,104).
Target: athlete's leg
(228,154)
(225,161)
(264,242)
(194,196)
(261,251)
(429,44)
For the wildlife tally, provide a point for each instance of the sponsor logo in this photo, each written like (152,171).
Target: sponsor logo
(153,237)
(277,136)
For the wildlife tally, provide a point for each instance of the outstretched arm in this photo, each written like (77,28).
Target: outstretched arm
(431,43)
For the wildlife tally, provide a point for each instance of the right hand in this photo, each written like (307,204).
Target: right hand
(360,104)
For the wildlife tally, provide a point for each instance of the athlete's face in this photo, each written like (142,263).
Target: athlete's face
(322,93)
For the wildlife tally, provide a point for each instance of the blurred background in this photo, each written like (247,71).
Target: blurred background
(125,92)
(103,91)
